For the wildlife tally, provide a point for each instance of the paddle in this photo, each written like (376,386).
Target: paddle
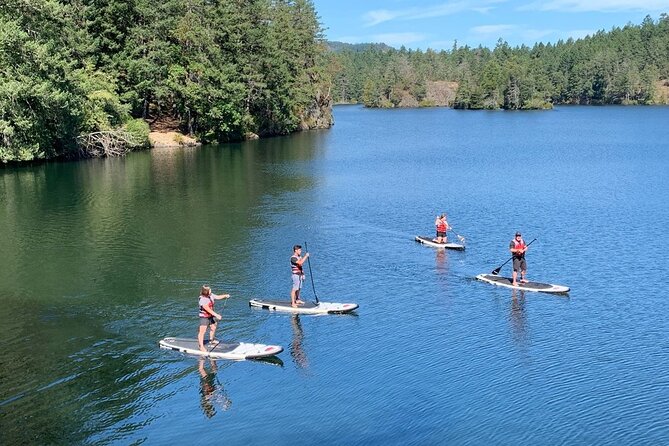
(311,274)
(225,301)
(497,270)
(461,238)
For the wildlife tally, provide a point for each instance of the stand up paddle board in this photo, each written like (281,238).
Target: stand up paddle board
(236,350)
(529,286)
(429,242)
(306,308)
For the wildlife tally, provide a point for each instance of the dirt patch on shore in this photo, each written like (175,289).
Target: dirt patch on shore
(662,92)
(171,139)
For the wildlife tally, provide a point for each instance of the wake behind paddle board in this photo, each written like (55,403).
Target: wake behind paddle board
(306,308)
(529,286)
(236,350)
(429,242)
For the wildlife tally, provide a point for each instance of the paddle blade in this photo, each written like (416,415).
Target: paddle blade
(496,271)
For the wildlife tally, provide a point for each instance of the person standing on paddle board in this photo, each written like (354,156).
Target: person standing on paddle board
(208,317)
(518,249)
(296,274)
(442,228)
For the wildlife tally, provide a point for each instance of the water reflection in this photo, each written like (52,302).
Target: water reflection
(442,261)
(212,395)
(518,317)
(296,350)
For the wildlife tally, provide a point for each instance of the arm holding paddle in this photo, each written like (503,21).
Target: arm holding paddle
(217,297)
(518,251)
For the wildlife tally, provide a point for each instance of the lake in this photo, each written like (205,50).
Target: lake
(103,258)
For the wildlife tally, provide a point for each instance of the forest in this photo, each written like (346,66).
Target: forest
(628,65)
(81,78)
(89,77)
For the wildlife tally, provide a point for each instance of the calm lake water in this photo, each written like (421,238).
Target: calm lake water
(102,258)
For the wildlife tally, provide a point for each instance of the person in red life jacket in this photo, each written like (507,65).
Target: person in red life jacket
(442,228)
(296,274)
(518,247)
(208,317)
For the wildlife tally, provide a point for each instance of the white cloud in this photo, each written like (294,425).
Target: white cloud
(598,5)
(537,35)
(376,17)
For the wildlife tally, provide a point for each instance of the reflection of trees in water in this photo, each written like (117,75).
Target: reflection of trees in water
(91,238)
(296,351)
(212,394)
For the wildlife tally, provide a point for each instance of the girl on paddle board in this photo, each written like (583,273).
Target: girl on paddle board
(518,249)
(442,228)
(208,317)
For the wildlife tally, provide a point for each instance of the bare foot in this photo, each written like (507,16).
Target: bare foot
(299,302)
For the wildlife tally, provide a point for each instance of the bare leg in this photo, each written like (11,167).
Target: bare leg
(515,276)
(293,298)
(523,277)
(212,331)
(200,337)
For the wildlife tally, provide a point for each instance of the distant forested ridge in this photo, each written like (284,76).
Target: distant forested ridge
(74,74)
(628,65)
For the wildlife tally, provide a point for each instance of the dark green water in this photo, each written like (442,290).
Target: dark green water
(100,259)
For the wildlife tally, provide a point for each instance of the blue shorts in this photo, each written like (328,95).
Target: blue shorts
(297,281)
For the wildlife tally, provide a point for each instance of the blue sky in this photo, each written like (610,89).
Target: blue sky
(437,24)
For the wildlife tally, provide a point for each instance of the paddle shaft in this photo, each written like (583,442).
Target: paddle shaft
(497,270)
(311,275)
(461,238)
(221,314)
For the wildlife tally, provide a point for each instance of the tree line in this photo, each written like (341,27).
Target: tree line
(222,70)
(628,65)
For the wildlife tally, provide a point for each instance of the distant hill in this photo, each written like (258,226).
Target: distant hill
(338,47)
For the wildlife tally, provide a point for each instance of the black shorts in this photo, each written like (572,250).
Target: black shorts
(519,264)
(441,234)
(206,321)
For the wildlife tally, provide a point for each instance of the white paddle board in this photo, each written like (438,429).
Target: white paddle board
(430,242)
(236,350)
(529,286)
(306,308)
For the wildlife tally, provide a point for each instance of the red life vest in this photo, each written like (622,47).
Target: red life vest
(210,305)
(519,245)
(295,268)
(441,226)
